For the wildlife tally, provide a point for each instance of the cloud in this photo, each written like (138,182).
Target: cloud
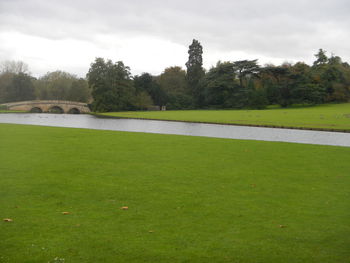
(150,35)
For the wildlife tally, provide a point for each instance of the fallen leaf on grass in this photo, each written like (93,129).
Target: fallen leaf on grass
(282,226)
(124,208)
(8,220)
(65,213)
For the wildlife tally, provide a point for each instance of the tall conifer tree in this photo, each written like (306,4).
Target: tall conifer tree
(195,72)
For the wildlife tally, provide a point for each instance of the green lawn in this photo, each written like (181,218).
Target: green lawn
(11,111)
(328,116)
(190,199)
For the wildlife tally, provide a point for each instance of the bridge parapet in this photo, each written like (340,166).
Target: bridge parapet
(61,106)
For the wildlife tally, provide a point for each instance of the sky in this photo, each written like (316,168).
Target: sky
(149,36)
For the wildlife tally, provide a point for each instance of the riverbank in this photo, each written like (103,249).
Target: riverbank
(11,111)
(327,117)
(189,199)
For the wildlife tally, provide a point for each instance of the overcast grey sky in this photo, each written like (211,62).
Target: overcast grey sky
(151,35)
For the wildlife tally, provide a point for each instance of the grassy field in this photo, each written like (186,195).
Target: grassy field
(11,111)
(189,199)
(328,116)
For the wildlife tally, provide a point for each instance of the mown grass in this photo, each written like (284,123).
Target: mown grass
(327,116)
(11,111)
(190,199)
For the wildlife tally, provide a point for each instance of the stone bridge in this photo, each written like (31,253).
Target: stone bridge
(53,106)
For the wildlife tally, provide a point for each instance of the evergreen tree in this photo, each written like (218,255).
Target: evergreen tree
(195,73)
(321,57)
(245,68)
(221,88)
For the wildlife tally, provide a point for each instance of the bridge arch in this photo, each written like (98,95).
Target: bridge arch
(74,110)
(36,110)
(56,109)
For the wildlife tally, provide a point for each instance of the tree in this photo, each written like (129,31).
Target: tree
(111,85)
(5,82)
(288,84)
(18,87)
(79,91)
(276,82)
(335,60)
(142,100)
(148,83)
(245,68)
(221,89)
(321,58)
(333,76)
(303,88)
(60,85)
(11,66)
(195,72)
(258,99)
(173,82)
(54,85)
(15,82)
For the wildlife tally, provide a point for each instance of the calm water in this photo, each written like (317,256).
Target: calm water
(180,128)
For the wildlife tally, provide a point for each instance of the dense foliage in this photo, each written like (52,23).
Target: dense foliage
(16,84)
(229,84)
(111,85)
(173,82)
(16,87)
(59,85)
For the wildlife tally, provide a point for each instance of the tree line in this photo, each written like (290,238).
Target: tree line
(17,84)
(110,86)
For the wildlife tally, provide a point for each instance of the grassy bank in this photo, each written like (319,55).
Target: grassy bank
(328,116)
(190,199)
(11,111)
